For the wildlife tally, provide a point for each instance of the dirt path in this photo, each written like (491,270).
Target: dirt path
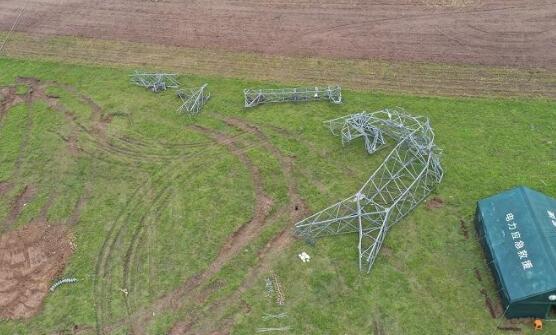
(22,199)
(125,234)
(233,245)
(263,204)
(98,142)
(295,210)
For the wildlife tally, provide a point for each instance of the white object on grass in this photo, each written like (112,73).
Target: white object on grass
(304,257)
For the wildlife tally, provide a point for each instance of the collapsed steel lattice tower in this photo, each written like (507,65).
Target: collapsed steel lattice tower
(405,178)
(254,97)
(193,100)
(155,82)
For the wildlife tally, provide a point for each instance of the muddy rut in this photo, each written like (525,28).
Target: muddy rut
(128,231)
(295,210)
(233,245)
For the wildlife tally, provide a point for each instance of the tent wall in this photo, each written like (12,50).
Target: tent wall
(528,310)
(479,226)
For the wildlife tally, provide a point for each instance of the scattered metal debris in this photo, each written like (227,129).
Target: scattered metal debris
(63,281)
(280,297)
(254,97)
(267,316)
(193,100)
(155,82)
(405,178)
(269,287)
(272,285)
(266,330)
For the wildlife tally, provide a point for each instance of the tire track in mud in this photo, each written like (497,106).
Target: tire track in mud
(137,143)
(102,289)
(115,148)
(295,210)
(103,275)
(124,148)
(235,243)
(138,320)
(128,149)
(131,254)
(131,260)
(21,200)
(263,203)
(36,91)
(33,94)
(9,99)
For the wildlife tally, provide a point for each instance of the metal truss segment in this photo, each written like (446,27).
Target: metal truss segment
(254,97)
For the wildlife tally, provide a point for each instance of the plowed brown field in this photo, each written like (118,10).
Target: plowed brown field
(497,32)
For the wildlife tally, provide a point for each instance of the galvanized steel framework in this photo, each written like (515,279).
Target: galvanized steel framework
(155,82)
(193,100)
(254,97)
(405,178)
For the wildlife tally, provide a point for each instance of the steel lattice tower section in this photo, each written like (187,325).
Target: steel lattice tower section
(405,178)
(156,82)
(254,97)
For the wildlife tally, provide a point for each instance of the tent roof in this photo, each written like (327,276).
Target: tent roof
(520,229)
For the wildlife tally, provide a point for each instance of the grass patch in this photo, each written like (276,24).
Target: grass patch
(166,197)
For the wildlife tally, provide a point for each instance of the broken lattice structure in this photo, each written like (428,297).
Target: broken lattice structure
(254,97)
(155,82)
(405,178)
(193,100)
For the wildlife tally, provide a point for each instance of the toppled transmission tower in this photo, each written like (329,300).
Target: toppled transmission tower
(155,82)
(193,100)
(254,97)
(405,178)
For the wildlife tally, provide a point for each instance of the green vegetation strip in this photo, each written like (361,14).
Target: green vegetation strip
(175,197)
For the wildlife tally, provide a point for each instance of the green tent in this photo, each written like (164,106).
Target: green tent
(518,231)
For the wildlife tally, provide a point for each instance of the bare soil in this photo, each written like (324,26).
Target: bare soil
(464,229)
(30,259)
(434,203)
(497,32)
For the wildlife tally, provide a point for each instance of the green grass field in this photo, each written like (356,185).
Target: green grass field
(159,197)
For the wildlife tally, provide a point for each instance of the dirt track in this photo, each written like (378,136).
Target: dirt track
(498,32)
